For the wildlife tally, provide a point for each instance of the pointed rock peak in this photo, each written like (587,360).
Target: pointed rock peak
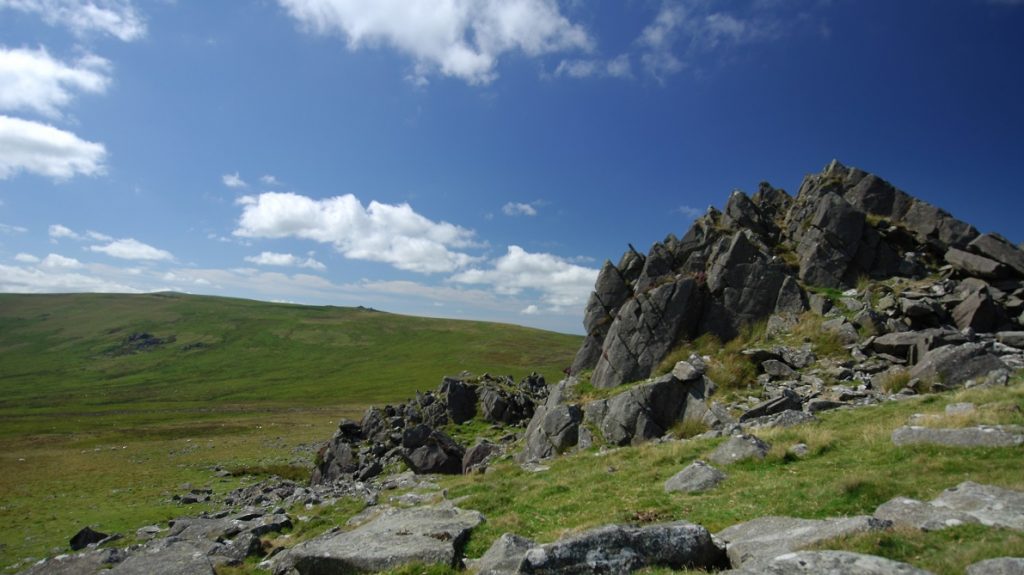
(835,167)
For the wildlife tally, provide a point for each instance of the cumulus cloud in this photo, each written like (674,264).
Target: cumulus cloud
(54,261)
(16,279)
(58,231)
(26,258)
(234,181)
(285,260)
(32,80)
(269,180)
(518,209)
(47,151)
(561,284)
(393,234)
(659,38)
(132,249)
(458,38)
(116,18)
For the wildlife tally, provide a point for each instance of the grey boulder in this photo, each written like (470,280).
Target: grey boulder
(955,364)
(906,512)
(694,478)
(503,557)
(739,448)
(991,505)
(998,566)
(622,549)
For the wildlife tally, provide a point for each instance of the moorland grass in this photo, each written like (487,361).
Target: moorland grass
(91,435)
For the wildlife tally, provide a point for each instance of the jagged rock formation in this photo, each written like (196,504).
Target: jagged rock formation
(757,257)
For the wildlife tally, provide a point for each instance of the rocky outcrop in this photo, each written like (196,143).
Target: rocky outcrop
(756,258)
(766,538)
(412,433)
(831,562)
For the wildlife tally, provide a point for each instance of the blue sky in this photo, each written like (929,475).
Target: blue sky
(468,158)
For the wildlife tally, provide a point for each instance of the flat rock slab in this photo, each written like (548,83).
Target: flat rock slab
(908,512)
(428,535)
(739,448)
(91,561)
(830,562)
(171,558)
(622,549)
(765,538)
(980,436)
(999,566)
(991,505)
(694,478)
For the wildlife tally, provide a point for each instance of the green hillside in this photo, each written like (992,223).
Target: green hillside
(109,403)
(78,352)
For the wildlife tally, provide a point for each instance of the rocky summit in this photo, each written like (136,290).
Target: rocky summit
(761,254)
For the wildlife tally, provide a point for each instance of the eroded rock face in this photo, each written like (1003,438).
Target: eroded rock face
(831,562)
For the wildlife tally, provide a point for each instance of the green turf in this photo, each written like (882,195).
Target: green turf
(91,434)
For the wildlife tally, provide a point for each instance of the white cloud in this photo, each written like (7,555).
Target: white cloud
(32,80)
(117,18)
(393,234)
(15,279)
(26,258)
(58,231)
(269,180)
(285,260)
(96,236)
(562,285)
(132,249)
(618,67)
(690,212)
(659,38)
(47,151)
(457,38)
(233,181)
(531,309)
(57,261)
(518,209)
(9,229)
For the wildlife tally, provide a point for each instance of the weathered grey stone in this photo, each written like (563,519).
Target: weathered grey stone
(843,329)
(551,431)
(819,304)
(903,511)
(788,400)
(694,478)
(170,557)
(787,418)
(437,453)
(953,365)
(428,535)
(777,369)
(818,405)
(646,411)
(980,436)
(769,537)
(622,549)
(86,562)
(913,345)
(85,537)
(478,455)
(1011,338)
(991,505)
(739,448)
(830,244)
(980,313)
(645,329)
(998,248)
(828,562)
(975,265)
(460,398)
(504,556)
(998,566)
(685,371)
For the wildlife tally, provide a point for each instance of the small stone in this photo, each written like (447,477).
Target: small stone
(694,478)
(739,448)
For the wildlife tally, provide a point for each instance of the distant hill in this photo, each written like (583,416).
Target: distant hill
(88,352)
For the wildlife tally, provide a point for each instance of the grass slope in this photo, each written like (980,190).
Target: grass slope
(93,434)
